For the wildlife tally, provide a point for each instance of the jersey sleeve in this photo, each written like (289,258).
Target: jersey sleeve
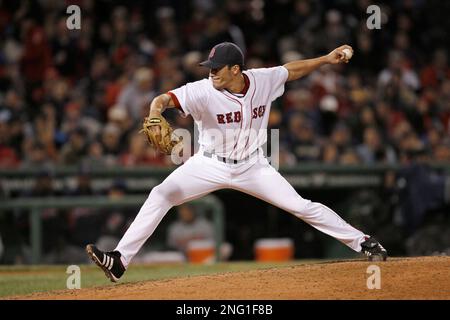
(274,79)
(191,98)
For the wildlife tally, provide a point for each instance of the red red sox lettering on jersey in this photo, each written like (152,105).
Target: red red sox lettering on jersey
(236,115)
(218,111)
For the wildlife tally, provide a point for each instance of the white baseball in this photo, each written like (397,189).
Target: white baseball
(348,53)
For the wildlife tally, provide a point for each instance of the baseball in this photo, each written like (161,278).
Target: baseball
(348,53)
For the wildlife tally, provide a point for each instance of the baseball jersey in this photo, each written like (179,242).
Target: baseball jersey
(231,125)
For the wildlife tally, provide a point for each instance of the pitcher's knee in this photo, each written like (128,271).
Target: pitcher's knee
(297,204)
(312,210)
(166,194)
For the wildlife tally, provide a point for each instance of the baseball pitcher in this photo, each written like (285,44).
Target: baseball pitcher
(232,101)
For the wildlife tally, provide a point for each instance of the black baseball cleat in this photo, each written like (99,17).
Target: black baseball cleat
(108,261)
(373,250)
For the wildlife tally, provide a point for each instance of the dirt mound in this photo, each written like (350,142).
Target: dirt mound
(401,278)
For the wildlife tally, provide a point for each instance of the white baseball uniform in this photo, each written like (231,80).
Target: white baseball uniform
(233,161)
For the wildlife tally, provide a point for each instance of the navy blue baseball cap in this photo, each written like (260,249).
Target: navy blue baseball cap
(225,53)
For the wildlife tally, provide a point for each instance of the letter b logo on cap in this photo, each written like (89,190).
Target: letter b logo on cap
(211,54)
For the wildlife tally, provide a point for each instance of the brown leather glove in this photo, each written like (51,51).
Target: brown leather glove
(161,141)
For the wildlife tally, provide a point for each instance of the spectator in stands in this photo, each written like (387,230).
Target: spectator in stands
(301,139)
(36,56)
(44,131)
(328,109)
(111,143)
(398,67)
(219,29)
(341,136)
(35,156)
(334,33)
(119,116)
(135,97)
(437,71)
(441,153)
(189,226)
(75,149)
(330,154)
(373,150)
(349,157)
(8,156)
(140,153)
(76,116)
(190,66)
(13,110)
(64,49)
(365,118)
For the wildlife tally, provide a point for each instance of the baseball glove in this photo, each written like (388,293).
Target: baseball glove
(163,143)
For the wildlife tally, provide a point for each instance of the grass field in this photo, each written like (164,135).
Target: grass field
(21,280)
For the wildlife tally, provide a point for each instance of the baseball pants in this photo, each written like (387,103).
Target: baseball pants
(201,175)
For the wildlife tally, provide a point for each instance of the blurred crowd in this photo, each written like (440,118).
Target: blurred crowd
(72,96)
(78,97)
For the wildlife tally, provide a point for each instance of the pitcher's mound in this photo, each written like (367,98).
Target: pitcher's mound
(399,278)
